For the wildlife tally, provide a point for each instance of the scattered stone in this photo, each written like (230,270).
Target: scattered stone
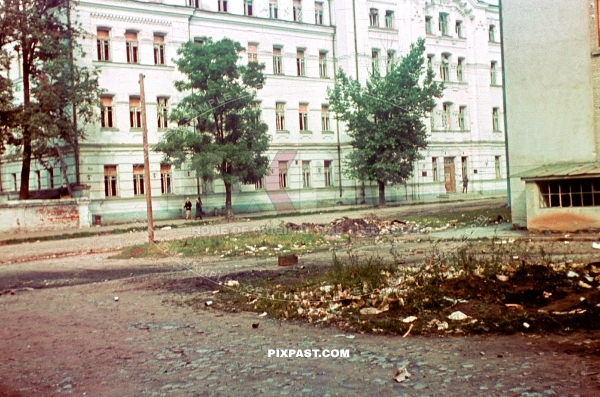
(458,316)
(116,298)
(410,319)
(401,375)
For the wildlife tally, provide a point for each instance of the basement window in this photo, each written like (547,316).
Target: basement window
(570,193)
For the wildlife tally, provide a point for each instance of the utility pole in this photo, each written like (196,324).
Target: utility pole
(146,163)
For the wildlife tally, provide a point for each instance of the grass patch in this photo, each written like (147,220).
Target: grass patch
(246,244)
(462,218)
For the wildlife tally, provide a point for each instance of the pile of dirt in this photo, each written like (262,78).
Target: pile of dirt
(364,227)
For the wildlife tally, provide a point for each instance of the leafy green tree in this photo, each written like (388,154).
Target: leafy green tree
(53,86)
(384,118)
(227,140)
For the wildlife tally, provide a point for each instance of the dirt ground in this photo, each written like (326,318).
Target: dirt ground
(63,332)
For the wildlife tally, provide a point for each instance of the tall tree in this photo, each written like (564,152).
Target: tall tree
(227,139)
(38,30)
(384,118)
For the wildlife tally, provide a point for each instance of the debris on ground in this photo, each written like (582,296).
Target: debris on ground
(401,375)
(458,316)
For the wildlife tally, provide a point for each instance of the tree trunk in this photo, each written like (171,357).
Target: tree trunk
(228,210)
(27,149)
(381,193)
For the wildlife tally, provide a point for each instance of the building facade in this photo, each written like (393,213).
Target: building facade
(301,43)
(553,102)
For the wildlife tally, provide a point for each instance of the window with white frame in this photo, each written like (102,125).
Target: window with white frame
(325,121)
(138,179)
(277,61)
(110,180)
(248,8)
(322,64)
(428,25)
(255,107)
(280,116)
(492,34)
(162,112)
(496,119)
(165,178)
(303,116)
(327,171)
(445,67)
(252,53)
(300,64)
(273,9)
(374,17)
(135,112)
(458,29)
(459,69)
(493,79)
(193,3)
(283,182)
(222,5)
(103,44)
(318,13)
(391,57)
(584,192)
(106,112)
(131,41)
(305,173)
(446,116)
(375,60)
(498,171)
(443,24)
(297,10)
(159,49)
(462,118)
(434,168)
(429,61)
(389,19)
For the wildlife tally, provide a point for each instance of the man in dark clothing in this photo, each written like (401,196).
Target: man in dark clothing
(188,209)
(199,208)
(465,183)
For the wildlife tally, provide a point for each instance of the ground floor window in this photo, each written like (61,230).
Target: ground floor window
(165,178)
(110,180)
(327,170)
(138,179)
(283,182)
(570,193)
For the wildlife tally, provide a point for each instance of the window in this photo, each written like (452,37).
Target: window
(15,186)
(277,61)
(248,8)
(463,166)
(327,171)
(110,180)
(162,112)
(252,53)
(297,11)
(135,113)
(300,68)
(325,118)
(389,19)
(132,47)
(199,40)
(323,64)
(375,60)
(492,34)
(374,17)
(303,117)
(434,167)
(391,56)
(458,28)
(493,73)
(165,178)
(102,43)
(138,179)
(430,61)
(273,9)
(496,119)
(446,113)
(283,174)
(583,192)
(428,25)
(445,67)
(462,113)
(459,69)
(193,3)
(305,173)
(51,177)
(222,5)
(319,13)
(38,180)
(106,112)
(159,50)
(497,167)
(255,107)
(443,24)
(280,116)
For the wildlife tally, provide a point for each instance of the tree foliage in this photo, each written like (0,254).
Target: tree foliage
(384,118)
(227,138)
(38,33)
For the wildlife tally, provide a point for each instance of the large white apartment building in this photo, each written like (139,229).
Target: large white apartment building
(301,43)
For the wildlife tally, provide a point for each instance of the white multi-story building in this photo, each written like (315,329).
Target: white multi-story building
(301,43)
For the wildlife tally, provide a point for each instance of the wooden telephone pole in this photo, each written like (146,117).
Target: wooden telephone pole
(146,163)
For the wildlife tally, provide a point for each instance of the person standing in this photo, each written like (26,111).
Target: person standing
(199,208)
(188,209)
(465,183)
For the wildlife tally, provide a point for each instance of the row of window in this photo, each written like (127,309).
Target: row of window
(463,165)
(374,18)
(107,114)
(37,180)
(131,46)
(273,9)
(450,72)
(459,31)
(300,60)
(449,120)
(302,117)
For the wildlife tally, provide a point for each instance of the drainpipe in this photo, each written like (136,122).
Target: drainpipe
(508,195)
(337,123)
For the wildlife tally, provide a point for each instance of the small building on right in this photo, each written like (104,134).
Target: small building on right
(552,93)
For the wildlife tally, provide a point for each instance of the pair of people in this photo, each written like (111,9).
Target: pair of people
(188,208)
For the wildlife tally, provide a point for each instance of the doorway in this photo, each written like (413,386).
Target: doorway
(449,175)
